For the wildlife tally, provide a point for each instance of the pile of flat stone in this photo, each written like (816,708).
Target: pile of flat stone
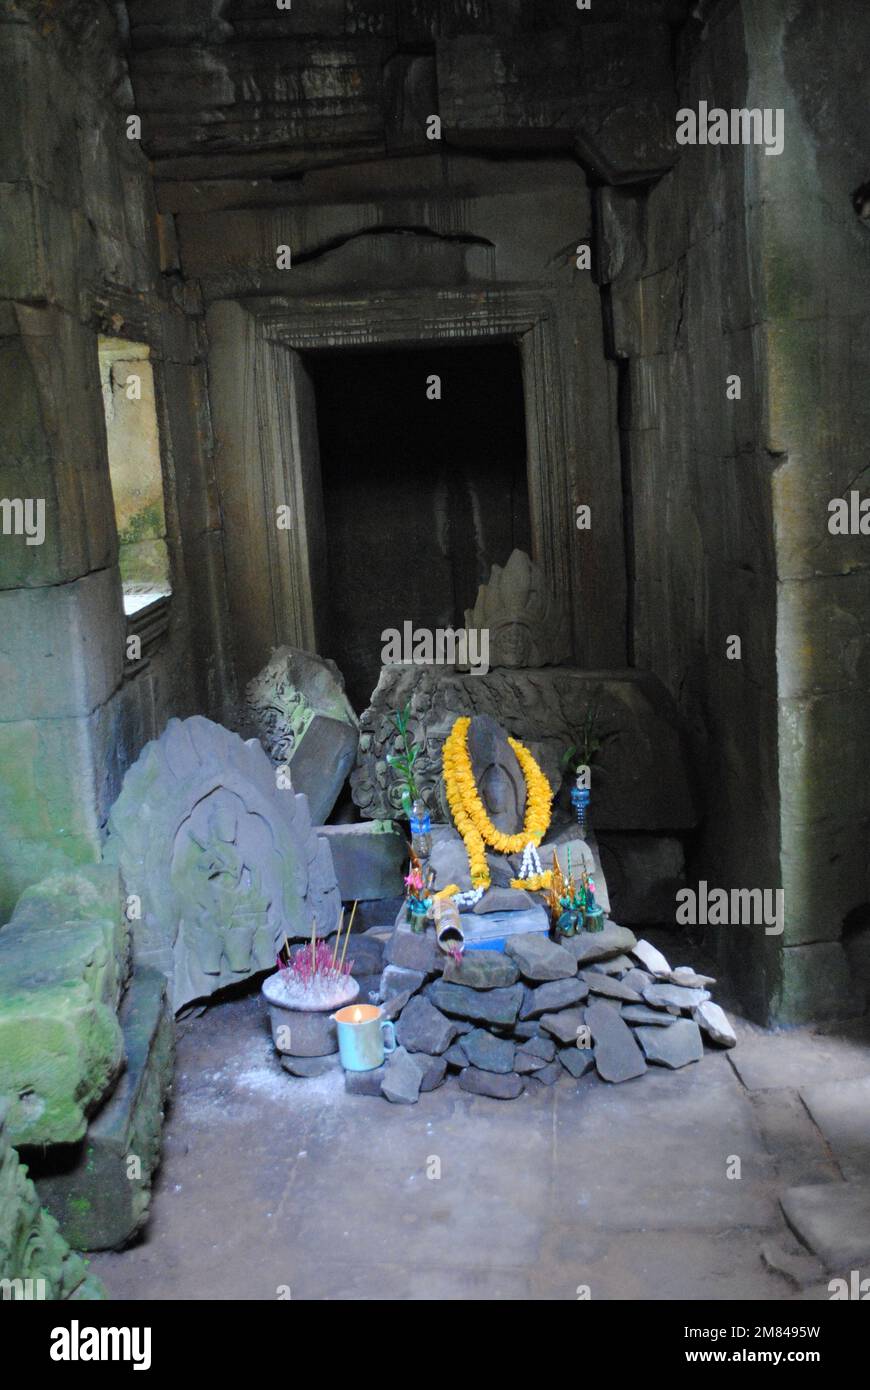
(512,1020)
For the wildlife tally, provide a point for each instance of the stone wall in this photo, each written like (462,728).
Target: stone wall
(814,291)
(679,260)
(740,263)
(85,253)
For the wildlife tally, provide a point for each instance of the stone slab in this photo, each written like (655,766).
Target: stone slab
(402,1078)
(493,1084)
(487,1052)
(577,1060)
(552,996)
(482,970)
(423,1028)
(642,1013)
(608,987)
(833,1219)
(413,950)
(99,1200)
(565,1025)
(540,959)
(841,1109)
(666,996)
(715,1023)
(498,1006)
(617,1055)
(587,947)
(672,1047)
(369,859)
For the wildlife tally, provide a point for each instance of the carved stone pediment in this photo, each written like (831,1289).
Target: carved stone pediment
(528,624)
(223,862)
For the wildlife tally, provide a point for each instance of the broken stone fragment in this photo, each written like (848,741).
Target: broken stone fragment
(651,959)
(498,1086)
(396,979)
(617,1055)
(498,1006)
(588,947)
(715,1023)
(394,1006)
(423,1028)
(413,950)
(610,988)
(685,975)
(550,997)
(665,996)
(538,958)
(577,1060)
(297,708)
(487,1052)
(549,1074)
(526,1062)
(433,1070)
(482,970)
(617,965)
(455,1057)
(642,1013)
(566,1026)
(671,1047)
(310,1066)
(402,1078)
(365,1083)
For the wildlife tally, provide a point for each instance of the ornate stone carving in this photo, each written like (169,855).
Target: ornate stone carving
(223,861)
(639,778)
(297,708)
(528,625)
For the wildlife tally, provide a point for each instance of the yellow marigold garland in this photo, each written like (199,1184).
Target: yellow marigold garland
(469,813)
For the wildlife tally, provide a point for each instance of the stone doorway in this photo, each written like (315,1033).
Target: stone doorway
(423,465)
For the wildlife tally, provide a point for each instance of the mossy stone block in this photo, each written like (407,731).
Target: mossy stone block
(100,1190)
(63,960)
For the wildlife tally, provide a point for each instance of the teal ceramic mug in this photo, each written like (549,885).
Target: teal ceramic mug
(365,1037)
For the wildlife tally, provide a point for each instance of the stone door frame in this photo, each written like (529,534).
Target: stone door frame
(257,371)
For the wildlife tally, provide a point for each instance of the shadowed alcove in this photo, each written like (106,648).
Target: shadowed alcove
(423,461)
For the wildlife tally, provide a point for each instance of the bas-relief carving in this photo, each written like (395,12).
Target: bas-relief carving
(223,861)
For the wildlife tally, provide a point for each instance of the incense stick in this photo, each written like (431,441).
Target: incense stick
(347,935)
(337,940)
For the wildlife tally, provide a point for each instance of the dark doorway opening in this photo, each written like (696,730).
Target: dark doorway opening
(422,496)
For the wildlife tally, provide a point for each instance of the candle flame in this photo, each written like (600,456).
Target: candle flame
(357,1015)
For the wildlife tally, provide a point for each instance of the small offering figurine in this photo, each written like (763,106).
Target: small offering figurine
(594,915)
(580,796)
(418,897)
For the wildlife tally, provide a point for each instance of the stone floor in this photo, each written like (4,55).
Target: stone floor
(271,1185)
